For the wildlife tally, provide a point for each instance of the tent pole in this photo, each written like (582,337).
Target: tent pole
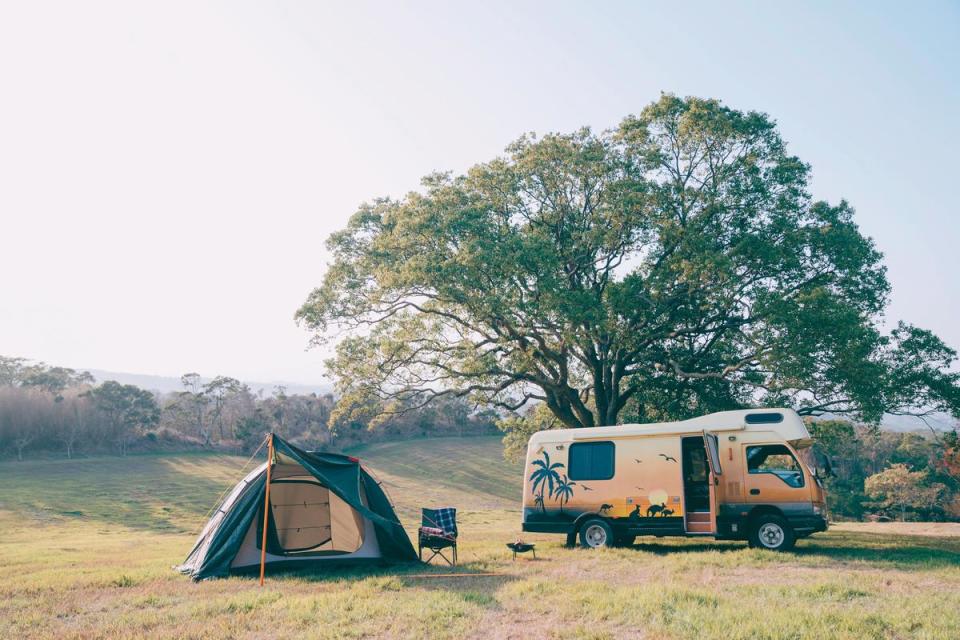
(266,508)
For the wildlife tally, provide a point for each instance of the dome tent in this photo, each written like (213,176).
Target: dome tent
(324,509)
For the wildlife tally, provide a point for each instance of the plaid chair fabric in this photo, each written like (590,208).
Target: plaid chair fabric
(446,519)
(437,532)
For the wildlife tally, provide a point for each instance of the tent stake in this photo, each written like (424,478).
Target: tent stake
(266,508)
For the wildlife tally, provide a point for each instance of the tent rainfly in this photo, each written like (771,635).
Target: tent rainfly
(323,509)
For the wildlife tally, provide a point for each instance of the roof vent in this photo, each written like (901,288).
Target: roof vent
(764,418)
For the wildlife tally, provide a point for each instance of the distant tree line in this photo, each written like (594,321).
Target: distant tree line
(875,473)
(49,410)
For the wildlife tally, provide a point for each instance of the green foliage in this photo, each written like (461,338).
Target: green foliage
(948,458)
(128,409)
(252,429)
(861,452)
(219,389)
(221,412)
(674,266)
(54,380)
(518,429)
(901,490)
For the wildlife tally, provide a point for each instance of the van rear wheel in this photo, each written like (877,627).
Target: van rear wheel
(773,533)
(596,533)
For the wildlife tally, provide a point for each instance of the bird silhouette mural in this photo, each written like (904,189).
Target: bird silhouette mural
(667,458)
(585,487)
(638,460)
(641,489)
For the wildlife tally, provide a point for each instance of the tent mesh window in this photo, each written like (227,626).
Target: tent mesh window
(301,514)
(305,518)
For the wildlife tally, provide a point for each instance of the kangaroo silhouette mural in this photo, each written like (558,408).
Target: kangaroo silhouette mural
(654,509)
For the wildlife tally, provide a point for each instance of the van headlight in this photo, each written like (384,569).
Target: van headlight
(817,510)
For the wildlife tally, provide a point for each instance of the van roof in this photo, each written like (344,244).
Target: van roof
(790,427)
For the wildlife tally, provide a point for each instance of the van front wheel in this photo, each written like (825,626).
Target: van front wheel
(773,533)
(596,533)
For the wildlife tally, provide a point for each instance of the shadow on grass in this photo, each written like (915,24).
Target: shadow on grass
(473,583)
(663,549)
(908,553)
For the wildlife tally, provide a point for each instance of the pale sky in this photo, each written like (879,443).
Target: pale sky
(169,171)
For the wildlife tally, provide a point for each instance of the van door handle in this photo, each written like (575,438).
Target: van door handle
(754,492)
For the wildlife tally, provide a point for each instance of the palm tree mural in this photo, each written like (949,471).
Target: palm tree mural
(564,490)
(544,477)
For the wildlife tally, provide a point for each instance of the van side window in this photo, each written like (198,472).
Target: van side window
(775,459)
(591,461)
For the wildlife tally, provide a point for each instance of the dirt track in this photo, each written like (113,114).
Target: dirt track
(937,529)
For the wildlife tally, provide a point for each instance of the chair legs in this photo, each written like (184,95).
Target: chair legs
(439,552)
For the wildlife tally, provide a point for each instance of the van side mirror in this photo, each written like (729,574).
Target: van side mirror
(820,464)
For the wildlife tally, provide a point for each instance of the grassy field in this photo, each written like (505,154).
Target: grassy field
(88,545)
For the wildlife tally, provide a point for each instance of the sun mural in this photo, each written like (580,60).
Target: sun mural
(658,496)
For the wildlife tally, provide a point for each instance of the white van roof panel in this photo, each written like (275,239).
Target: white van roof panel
(791,428)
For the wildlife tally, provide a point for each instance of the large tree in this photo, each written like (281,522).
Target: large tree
(674,265)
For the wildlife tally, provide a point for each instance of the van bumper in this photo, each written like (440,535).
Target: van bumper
(805,525)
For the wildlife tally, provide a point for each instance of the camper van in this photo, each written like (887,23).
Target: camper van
(734,475)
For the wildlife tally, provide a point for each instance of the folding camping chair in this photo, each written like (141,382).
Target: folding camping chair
(438,531)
